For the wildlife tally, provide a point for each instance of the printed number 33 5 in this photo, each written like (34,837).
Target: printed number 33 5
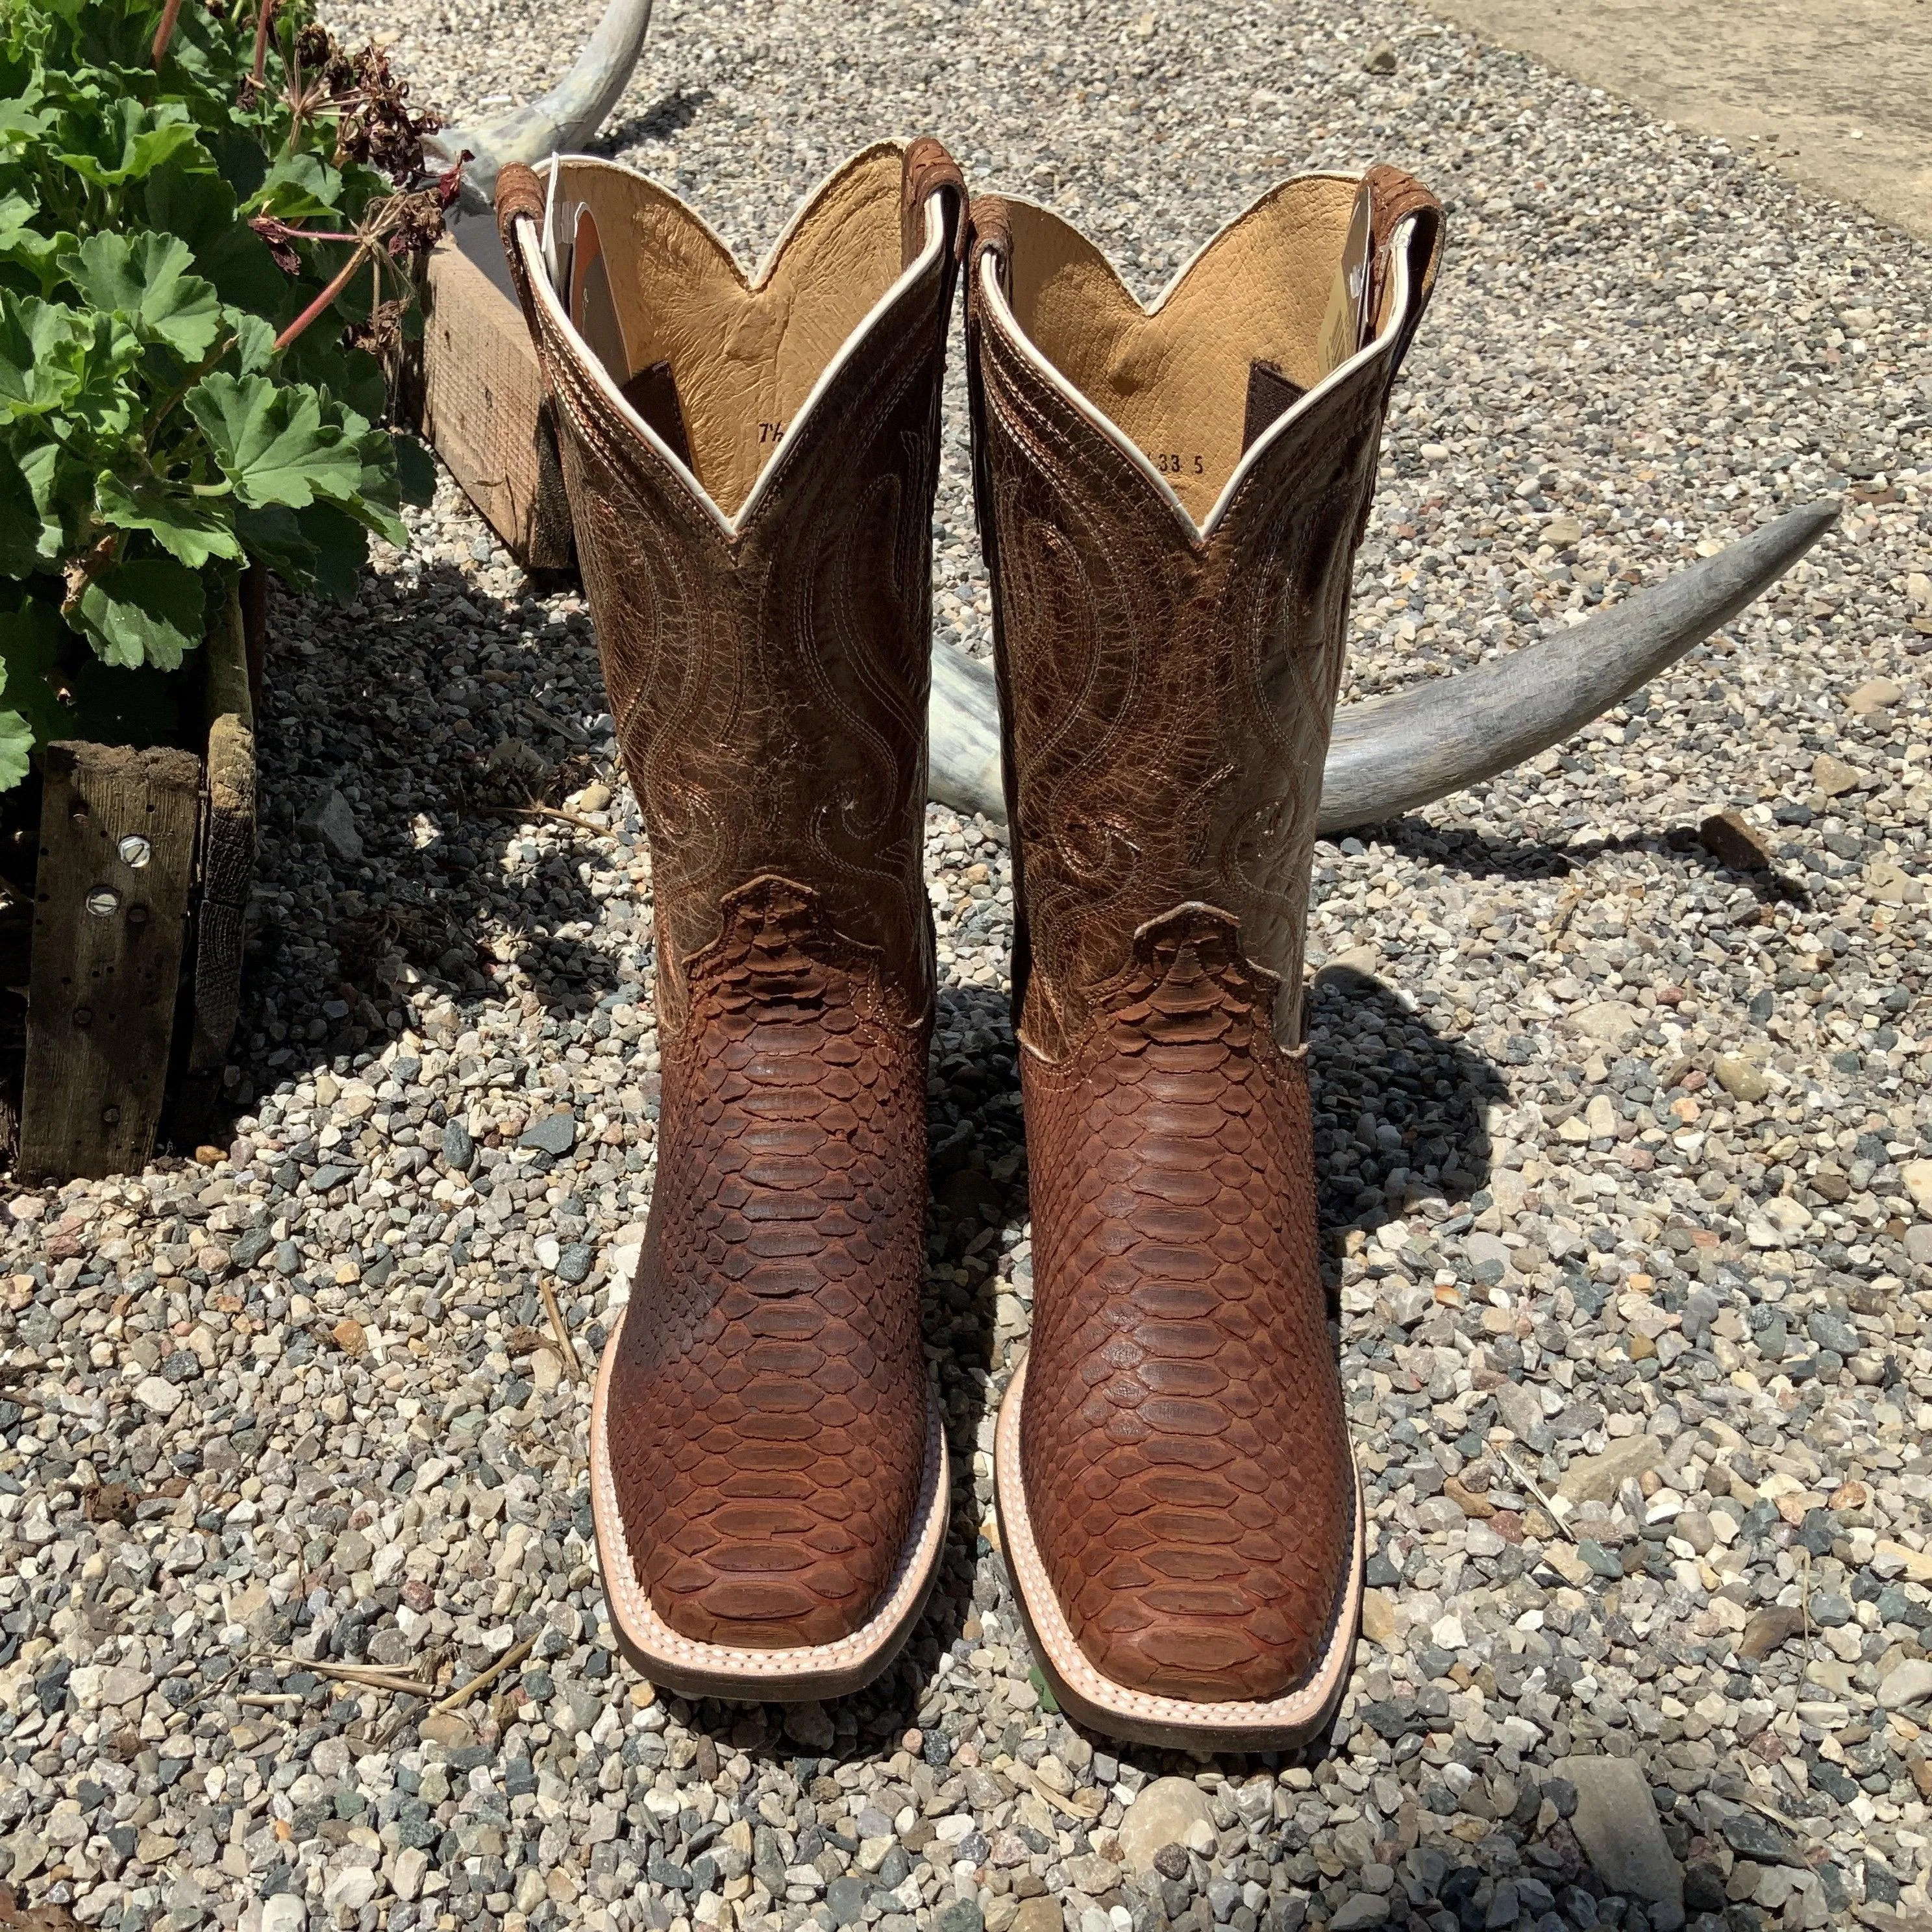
(1180,466)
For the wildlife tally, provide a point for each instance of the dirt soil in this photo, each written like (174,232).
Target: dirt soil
(1839,96)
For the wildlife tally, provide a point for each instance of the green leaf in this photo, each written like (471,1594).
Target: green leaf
(146,278)
(275,537)
(131,142)
(149,612)
(38,363)
(341,550)
(378,497)
(20,520)
(361,386)
(197,205)
(31,636)
(16,744)
(40,466)
(77,363)
(320,548)
(415,471)
(238,153)
(154,146)
(244,274)
(254,345)
(36,257)
(273,443)
(373,512)
(352,376)
(21,126)
(192,529)
(300,187)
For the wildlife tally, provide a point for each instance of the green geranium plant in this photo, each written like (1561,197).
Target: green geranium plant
(206,217)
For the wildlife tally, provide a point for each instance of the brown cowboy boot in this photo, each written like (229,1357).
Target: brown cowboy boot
(750,468)
(1170,501)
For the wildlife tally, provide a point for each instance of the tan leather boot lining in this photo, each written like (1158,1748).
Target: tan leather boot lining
(1176,381)
(743,356)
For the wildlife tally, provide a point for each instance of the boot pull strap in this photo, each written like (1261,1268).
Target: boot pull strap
(989,232)
(927,170)
(1395,197)
(519,197)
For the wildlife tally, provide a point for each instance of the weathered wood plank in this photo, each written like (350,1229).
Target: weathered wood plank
(116,862)
(253,592)
(483,406)
(226,874)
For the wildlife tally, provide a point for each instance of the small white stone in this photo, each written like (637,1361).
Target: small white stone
(157,1394)
(412,1863)
(1917,1175)
(350,1889)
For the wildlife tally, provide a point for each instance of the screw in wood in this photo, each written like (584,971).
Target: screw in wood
(110,1116)
(103,901)
(135,851)
(83,1016)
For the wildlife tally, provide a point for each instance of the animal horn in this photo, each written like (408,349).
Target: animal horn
(1387,755)
(559,122)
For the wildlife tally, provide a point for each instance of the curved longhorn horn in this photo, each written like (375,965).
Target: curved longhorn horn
(558,122)
(1388,755)
(963,721)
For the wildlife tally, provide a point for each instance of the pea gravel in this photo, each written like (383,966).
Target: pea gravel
(1627,1159)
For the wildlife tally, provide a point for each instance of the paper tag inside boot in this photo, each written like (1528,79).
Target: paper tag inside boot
(1348,325)
(593,310)
(559,221)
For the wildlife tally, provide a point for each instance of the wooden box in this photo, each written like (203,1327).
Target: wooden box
(472,388)
(145,861)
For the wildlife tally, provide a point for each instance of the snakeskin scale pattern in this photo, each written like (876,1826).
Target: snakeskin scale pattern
(768,1398)
(1166,700)
(766,1419)
(1183,1444)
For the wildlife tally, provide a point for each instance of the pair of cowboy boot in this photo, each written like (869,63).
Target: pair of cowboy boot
(1170,502)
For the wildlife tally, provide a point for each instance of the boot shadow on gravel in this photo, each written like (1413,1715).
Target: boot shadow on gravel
(1476,855)
(1399,1108)
(436,750)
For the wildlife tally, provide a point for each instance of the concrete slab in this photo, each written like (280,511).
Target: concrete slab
(1838,96)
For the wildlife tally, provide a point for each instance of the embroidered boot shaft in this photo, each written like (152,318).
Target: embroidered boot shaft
(750,466)
(1171,501)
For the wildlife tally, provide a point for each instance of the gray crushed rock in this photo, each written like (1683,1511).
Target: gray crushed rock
(1626,1154)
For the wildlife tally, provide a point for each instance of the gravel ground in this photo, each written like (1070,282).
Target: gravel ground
(1627,1162)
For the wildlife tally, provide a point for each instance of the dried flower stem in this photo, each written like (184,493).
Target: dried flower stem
(165,32)
(343,277)
(264,20)
(509,1660)
(572,1367)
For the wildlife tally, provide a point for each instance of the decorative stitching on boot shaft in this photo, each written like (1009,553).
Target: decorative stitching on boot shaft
(1166,698)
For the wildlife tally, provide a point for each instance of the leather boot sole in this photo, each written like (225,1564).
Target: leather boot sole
(797,1675)
(1279,1724)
